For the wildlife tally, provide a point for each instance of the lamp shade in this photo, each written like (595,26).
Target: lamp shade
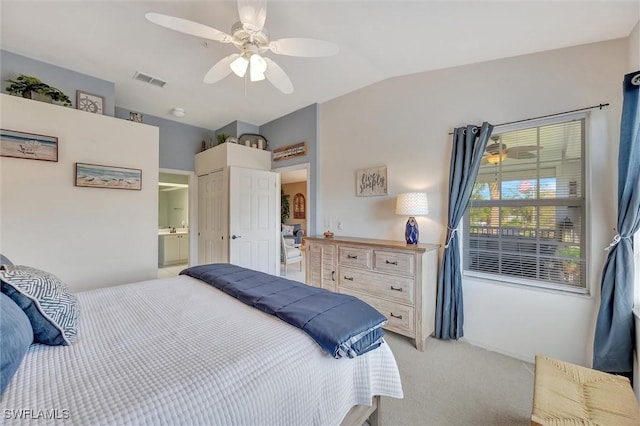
(258,67)
(239,66)
(412,204)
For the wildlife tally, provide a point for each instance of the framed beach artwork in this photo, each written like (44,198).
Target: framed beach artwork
(28,145)
(371,182)
(96,176)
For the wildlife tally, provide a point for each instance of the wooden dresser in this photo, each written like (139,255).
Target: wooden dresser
(397,279)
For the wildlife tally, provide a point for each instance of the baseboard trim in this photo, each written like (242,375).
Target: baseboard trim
(521,357)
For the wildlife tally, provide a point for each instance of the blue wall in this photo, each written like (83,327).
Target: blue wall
(237,128)
(12,65)
(298,126)
(179,143)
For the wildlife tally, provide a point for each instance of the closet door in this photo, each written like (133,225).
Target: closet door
(253,219)
(212,219)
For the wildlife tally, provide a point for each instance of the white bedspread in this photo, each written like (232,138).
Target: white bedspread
(178,351)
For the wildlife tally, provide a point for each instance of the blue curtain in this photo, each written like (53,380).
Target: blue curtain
(468,148)
(614,337)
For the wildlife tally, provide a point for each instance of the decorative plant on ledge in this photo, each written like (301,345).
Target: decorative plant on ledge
(25,86)
(285,211)
(222,138)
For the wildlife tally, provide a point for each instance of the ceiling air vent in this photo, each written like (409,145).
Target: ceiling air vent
(149,79)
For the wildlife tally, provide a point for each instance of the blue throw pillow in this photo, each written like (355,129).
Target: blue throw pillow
(15,338)
(51,308)
(5,260)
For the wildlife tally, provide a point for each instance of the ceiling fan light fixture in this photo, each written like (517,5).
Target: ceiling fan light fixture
(258,67)
(250,37)
(496,158)
(239,66)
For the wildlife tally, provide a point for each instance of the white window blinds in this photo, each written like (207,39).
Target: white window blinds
(525,222)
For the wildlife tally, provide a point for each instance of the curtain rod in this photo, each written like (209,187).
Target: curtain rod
(600,106)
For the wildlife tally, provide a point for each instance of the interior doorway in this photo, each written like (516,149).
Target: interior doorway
(176,220)
(295,186)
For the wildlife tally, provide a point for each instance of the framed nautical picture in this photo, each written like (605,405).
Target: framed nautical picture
(89,102)
(96,176)
(371,182)
(28,145)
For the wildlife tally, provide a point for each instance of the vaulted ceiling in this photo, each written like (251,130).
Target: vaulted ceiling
(377,40)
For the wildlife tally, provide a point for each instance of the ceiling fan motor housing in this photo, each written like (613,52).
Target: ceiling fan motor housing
(245,39)
(496,148)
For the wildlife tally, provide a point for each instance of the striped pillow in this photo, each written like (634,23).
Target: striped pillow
(52,309)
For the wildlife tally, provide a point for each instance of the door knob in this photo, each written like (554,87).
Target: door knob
(233,237)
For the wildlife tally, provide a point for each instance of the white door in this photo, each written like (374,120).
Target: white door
(253,219)
(212,219)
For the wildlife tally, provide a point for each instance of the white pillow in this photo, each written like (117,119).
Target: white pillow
(287,230)
(50,306)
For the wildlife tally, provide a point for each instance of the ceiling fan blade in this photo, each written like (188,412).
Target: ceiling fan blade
(522,148)
(188,27)
(304,47)
(521,155)
(278,77)
(221,69)
(252,13)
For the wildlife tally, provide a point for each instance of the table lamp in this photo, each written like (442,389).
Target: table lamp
(412,204)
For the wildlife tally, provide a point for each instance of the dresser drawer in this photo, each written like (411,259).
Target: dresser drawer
(388,287)
(395,263)
(354,256)
(401,317)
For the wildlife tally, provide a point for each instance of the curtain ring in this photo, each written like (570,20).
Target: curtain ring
(635,80)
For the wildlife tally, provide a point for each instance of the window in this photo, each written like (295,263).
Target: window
(299,206)
(526,218)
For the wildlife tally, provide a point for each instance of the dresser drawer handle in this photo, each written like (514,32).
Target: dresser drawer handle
(348,278)
(391,263)
(351,256)
(396,289)
(396,316)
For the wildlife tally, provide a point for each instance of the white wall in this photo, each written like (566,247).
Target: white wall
(404,122)
(634,49)
(88,237)
(178,208)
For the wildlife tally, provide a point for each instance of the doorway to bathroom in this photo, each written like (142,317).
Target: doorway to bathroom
(175,219)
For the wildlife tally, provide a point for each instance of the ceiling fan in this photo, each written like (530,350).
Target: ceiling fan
(252,39)
(496,152)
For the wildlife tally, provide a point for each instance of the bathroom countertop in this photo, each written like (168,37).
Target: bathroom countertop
(167,231)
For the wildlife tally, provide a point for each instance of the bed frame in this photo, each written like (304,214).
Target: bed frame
(364,413)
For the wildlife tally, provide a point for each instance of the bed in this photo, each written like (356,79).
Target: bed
(178,351)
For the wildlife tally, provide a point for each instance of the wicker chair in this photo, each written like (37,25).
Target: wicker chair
(289,254)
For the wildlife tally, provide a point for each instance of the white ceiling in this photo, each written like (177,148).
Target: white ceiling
(293,176)
(377,39)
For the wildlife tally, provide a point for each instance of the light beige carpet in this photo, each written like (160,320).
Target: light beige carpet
(455,383)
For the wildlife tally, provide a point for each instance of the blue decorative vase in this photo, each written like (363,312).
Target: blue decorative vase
(411,231)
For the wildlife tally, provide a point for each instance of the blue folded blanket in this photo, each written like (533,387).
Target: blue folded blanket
(343,325)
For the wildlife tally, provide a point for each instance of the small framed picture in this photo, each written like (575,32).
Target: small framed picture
(97,176)
(28,145)
(89,102)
